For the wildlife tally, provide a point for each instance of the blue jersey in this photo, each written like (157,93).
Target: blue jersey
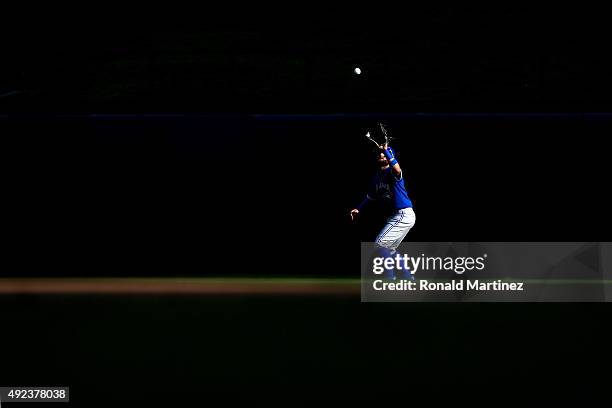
(389,190)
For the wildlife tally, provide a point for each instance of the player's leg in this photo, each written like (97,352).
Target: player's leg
(406,224)
(386,239)
(396,228)
(382,252)
(394,232)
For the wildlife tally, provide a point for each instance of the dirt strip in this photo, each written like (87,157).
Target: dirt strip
(170,287)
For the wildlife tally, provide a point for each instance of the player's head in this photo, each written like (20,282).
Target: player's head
(381,160)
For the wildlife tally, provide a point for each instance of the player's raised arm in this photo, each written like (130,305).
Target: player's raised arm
(390,155)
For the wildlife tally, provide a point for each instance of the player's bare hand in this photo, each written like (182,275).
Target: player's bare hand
(354,213)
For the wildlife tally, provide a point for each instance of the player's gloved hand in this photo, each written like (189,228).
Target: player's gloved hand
(354,214)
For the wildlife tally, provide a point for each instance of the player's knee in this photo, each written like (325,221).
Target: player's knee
(382,242)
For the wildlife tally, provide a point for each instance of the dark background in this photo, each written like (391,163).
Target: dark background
(182,195)
(146,141)
(299,58)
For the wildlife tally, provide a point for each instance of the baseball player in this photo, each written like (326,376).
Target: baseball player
(388,189)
